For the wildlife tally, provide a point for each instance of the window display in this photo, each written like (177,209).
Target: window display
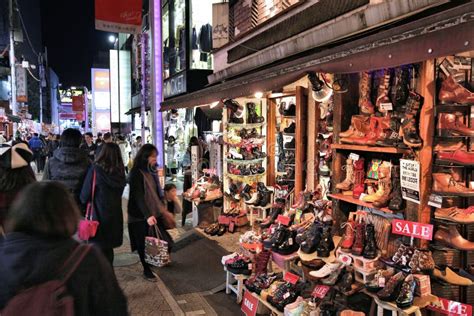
(174,38)
(201,34)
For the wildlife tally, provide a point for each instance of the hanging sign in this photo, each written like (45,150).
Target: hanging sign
(21,84)
(249,304)
(412,229)
(451,308)
(118,16)
(291,278)
(410,180)
(320,291)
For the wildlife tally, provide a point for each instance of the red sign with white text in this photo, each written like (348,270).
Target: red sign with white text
(284,220)
(249,304)
(320,291)
(118,16)
(412,229)
(451,308)
(292,278)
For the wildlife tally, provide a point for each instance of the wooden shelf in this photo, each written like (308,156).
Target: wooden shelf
(245,162)
(450,107)
(350,199)
(245,125)
(291,117)
(374,149)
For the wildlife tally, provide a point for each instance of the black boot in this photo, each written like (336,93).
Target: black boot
(272,217)
(400,88)
(326,244)
(252,116)
(397,203)
(290,129)
(370,246)
(246,192)
(265,198)
(291,144)
(236,115)
(410,123)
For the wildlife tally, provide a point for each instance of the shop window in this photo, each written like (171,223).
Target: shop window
(201,34)
(174,39)
(166,41)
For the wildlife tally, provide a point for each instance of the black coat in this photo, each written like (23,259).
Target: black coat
(68,165)
(138,210)
(107,205)
(26,261)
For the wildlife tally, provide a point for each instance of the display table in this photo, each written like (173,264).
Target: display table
(381,306)
(267,305)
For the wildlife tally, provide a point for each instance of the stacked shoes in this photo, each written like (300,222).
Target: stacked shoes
(359,239)
(399,288)
(239,265)
(286,293)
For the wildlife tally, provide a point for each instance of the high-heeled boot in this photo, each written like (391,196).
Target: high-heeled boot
(400,88)
(382,95)
(409,128)
(359,178)
(397,203)
(365,105)
(348,182)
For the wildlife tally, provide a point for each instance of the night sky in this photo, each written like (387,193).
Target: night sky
(69,34)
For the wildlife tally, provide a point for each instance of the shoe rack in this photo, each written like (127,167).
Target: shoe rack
(346,105)
(231,128)
(453,118)
(287,163)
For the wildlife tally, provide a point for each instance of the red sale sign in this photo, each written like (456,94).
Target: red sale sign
(320,291)
(451,308)
(249,304)
(284,220)
(412,229)
(292,278)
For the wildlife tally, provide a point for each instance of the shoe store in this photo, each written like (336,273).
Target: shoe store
(348,184)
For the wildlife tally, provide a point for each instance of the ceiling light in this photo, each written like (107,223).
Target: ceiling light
(321,92)
(258,94)
(214,104)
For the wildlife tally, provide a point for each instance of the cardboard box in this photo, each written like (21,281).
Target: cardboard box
(423,284)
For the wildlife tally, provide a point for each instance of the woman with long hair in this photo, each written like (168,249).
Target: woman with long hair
(38,243)
(145,198)
(15,174)
(109,174)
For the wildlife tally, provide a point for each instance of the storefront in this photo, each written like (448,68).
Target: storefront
(353,168)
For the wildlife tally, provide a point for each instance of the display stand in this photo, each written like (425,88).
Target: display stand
(382,306)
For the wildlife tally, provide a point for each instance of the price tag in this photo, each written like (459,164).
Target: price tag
(435,200)
(291,278)
(249,304)
(345,259)
(451,308)
(388,106)
(320,291)
(284,220)
(362,196)
(354,157)
(290,241)
(381,282)
(286,295)
(412,229)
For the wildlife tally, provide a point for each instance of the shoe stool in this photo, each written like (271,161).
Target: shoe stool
(261,213)
(381,306)
(230,285)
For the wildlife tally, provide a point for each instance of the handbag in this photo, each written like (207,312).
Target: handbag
(156,250)
(87,226)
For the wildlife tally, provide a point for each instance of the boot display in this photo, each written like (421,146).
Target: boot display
(365,105)
(382,95)
(396,203)
(410,122)
(370,246)
(401,87)
(359,178)
(445,184)
(358,246)
(386,182)
(348,182)
(452,92)
(252,116)
(451,124)
(359,127)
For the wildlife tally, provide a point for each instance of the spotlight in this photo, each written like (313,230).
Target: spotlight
(321,92)
(112,38)
(258,94)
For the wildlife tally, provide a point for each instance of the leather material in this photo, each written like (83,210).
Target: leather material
(358,245)
(365,105)
(459,157)
(346,185)
(451,237)
(407,293)
(451,277)
(456,214)
(370,246)
(445,183)
(396,203)
(391,290)
(453,92)
(452,125)
(449,146)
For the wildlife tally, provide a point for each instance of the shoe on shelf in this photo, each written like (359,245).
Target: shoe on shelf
(451,277)
(359,127)
(326,244)
(291,144)
(451,124)
(348,237)
(459,157)
(410,122)
(407,293)
(359,178)
(453,92)
(451,237)
(290,129)
(445,184)
(348,182)
(370,246)
(358,245)
(456,214)
(290,110)
(422,260)
(450,146)
(403,255)
(328,269)
(396,203)
(392,288)
(365,105)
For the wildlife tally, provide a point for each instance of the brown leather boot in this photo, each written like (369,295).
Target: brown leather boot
(386,182)
(348,182)
(453,92)
(445,184)
(409,128)
(449,146)
(359,178)
(382,95)
(358,245)
(371,137)
(451,124)
(359,126)
(365,105)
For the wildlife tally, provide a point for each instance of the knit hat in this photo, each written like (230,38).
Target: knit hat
(16,156)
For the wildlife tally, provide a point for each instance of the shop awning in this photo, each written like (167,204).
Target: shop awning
(136,110)
(14,118)
(411,40)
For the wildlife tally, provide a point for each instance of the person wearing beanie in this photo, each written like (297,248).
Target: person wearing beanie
(15,174)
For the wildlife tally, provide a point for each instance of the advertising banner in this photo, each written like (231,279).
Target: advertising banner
(78,103)
(21,85)
(118,16)
(410,180)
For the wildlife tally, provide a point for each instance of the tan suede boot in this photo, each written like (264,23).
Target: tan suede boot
(359,126)
(348,182)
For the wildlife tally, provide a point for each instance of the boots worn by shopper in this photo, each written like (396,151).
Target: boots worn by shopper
(445,184)
(451,124)
(453,92)
(386,183)
(370,246)
(348,182)
(382,95)
(358,246)
(359,178)
(397,203)
(365,105)
(410,123)
(252,116)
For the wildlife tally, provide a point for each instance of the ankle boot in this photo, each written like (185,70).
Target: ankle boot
(359,127)
(348,237)
(376,195)
(358,246)
(246,192)
(291,144)
(290,129)
(290,110)
(386,183)
(266,198)
(389,136)
(365,105)
(252,116)
(401,86)
(453,92)
(397,203)
(359,178)
(451,124)
(382,95)
(237,111)
(326,244)
(371,137)
(271,218)
(445,184)
(370,246)
(348,182)
(409,128)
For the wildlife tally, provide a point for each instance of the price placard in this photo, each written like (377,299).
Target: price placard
(284,220)
(435,200)
(291,278)
(354,156)
(451,308)
(249,304)
(320,291)
(412,229)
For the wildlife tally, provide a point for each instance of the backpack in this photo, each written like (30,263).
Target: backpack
(51,297)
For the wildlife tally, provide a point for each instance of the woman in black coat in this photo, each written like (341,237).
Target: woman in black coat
(110,182)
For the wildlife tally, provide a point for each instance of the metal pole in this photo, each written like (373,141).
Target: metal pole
(119,81)
(12,66)
(41,77)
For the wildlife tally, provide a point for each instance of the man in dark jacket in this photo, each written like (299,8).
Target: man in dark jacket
(69,163)
(89,145)
(36,146)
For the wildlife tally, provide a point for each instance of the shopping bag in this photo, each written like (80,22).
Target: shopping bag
(87,226)
(156,250)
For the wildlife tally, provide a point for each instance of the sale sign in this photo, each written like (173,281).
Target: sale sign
(451,308)
(284,220)
(320,291)
(291,278)
(412,229)
(249,304)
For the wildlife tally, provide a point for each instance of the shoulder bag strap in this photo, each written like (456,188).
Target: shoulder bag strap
(90,206)
(73,261)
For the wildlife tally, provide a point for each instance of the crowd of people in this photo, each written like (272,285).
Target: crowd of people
(39,219)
